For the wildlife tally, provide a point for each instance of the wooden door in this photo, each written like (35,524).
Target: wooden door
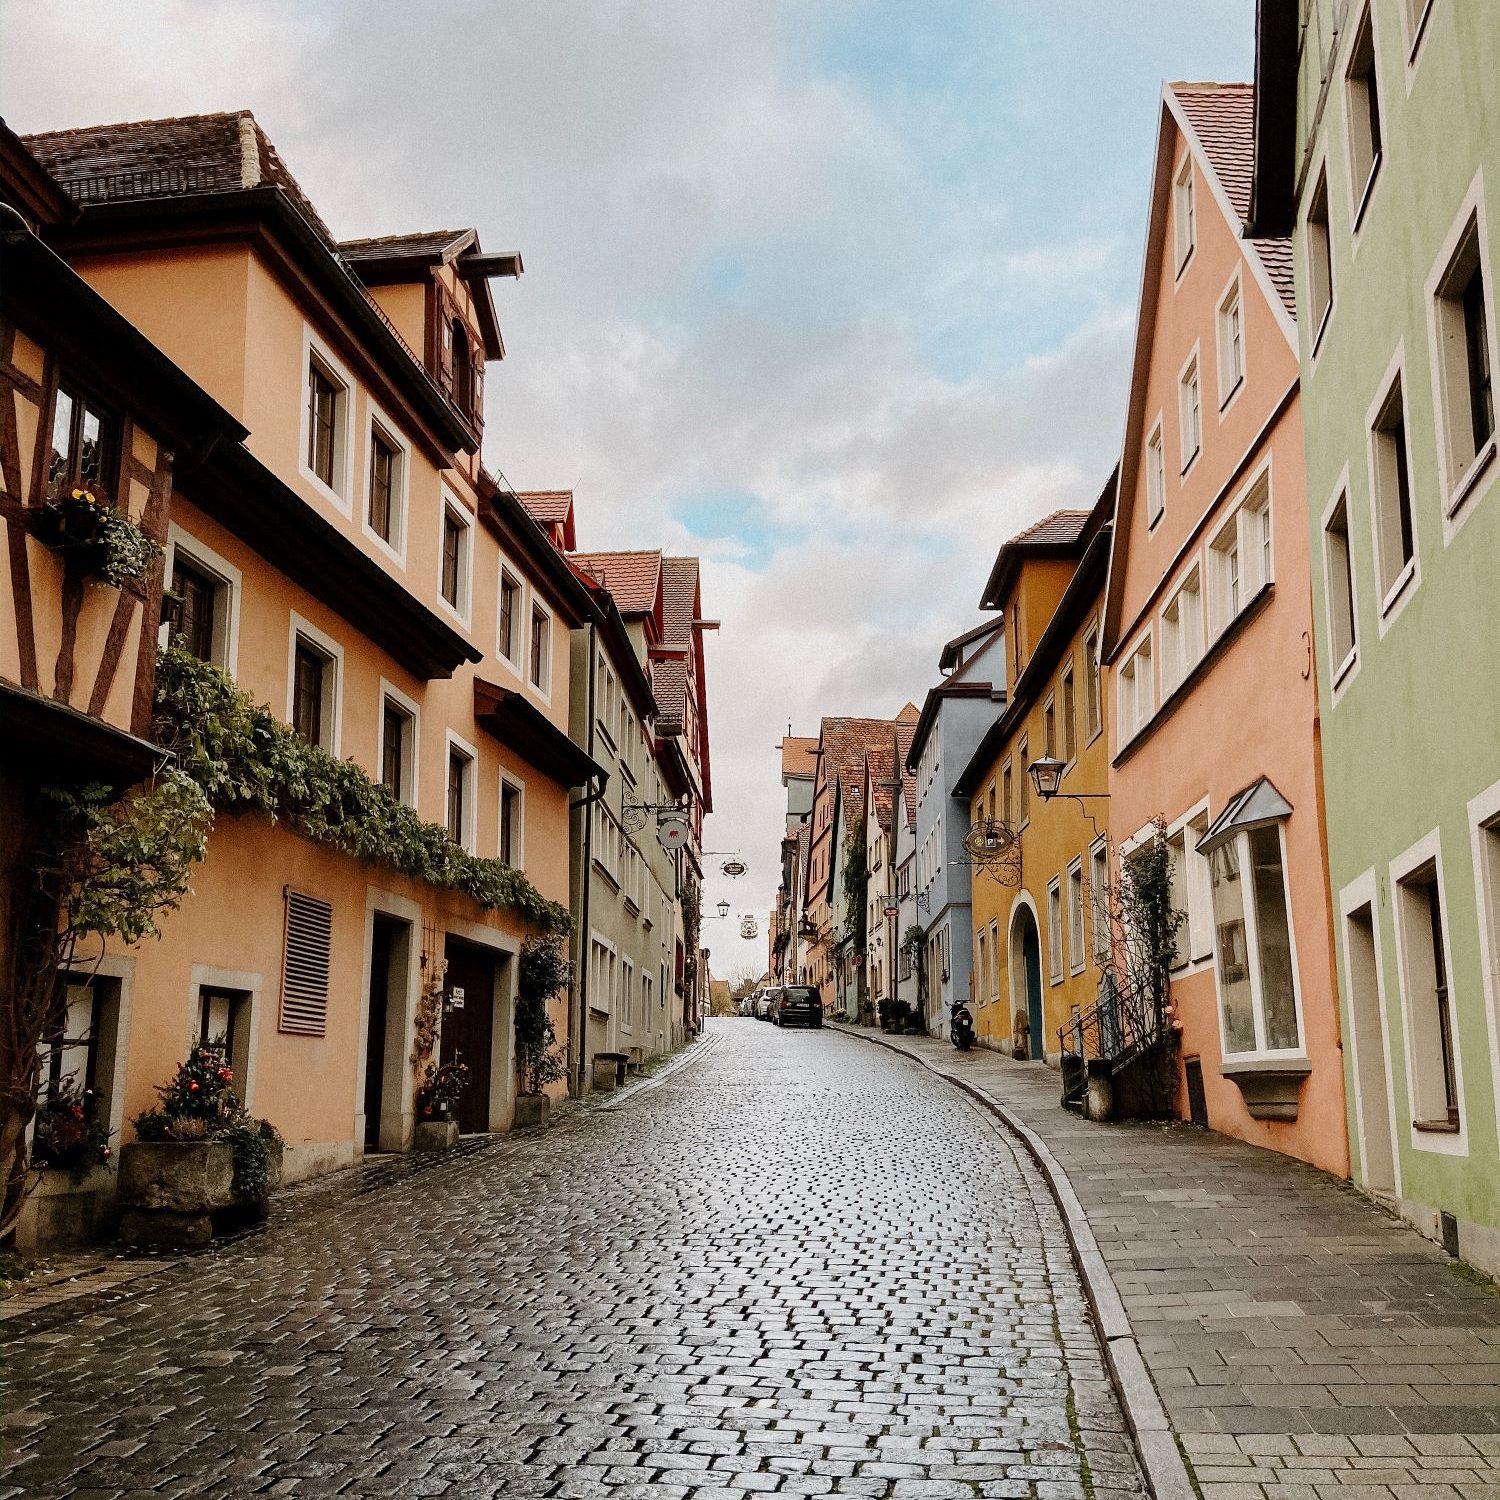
(382,940)
(469,1030)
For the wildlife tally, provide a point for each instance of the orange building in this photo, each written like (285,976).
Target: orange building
(1208,633)
(353,566)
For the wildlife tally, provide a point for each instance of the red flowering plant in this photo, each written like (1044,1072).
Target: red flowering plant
(200,1104)
(441,1090)
(70,1136)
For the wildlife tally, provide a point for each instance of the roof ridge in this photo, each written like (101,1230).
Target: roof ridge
(211,114)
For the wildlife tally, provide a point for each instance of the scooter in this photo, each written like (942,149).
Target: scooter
(961,1026)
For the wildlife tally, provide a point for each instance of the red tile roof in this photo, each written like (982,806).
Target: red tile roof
(169,158)
(632,577)
(799,755)
(1223,118)
(846,742)
(549,507)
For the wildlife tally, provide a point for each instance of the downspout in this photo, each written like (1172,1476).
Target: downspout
(582,805)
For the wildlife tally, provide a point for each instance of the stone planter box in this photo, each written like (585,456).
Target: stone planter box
(532,1109)
(435,1135)
(60,1213)
(170,1190)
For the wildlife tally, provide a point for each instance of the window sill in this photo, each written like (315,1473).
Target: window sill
(605,873)
(1366,195)
(1436,1127)
(1270,1085)
(1228,399)
(1418,32)
(1397,593)
(1479,465)
(1192,460)
(1322,328)
(1345,669)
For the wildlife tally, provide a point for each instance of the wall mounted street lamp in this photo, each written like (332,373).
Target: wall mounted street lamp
(1046,777)
(723,908)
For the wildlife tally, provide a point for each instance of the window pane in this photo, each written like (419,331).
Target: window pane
(1477,351)
(452,558)
(382,486)
(91,449)
(1233,958)
(307,699)
(392,770)
(60,465)
(508,593)
(1277,985)
(198,593)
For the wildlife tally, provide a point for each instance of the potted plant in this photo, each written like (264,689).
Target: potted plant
(198,1157)
(544,971)
(438,1099)
(69,1135)
(72,520)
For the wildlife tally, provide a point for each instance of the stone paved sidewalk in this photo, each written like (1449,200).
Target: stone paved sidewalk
(1305,1344)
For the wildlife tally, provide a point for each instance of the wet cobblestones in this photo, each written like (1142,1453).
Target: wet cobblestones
(799,1266)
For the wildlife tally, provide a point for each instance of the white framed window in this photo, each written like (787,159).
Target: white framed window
(387,475)
(399,741)
(460,791)
(1049,729)
(315,685)
(984,966)
(1077,942)
(1391,509)
(602,965)
(1339,598)
(1318,244)
(1461,299)
(1184,213)
(1231,343)
(1136,690)
(1191,888)
(1023,783)
(325,452)
(1190,412)
(1066,692)
(1099,899)
(993,977)
(1255,967)
(1054,930)
(539,666)
(627,987)
(1156,477)
(1239,555)
(455,558)
(512,843)
(1425,968)
(208,589)
(1093,699)
(510,622)
(1484,823)
(1362,117)
(1181,633)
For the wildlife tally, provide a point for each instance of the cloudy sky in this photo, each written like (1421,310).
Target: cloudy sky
(836,294)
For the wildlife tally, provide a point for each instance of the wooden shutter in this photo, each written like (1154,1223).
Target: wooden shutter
(304,973)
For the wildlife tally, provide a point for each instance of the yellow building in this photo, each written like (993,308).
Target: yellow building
(1034,913)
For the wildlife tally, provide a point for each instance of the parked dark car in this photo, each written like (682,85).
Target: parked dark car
(797,1005)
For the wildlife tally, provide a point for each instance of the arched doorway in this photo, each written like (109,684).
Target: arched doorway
(1026,976)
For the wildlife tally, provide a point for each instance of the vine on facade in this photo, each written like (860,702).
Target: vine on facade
(245,760)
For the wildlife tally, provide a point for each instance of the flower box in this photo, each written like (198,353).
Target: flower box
(72,522)
(532,1109)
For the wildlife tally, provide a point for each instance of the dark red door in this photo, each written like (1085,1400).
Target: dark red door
(468,1032)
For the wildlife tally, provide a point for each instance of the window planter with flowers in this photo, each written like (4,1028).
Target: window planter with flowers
(106,544)
(200,1161)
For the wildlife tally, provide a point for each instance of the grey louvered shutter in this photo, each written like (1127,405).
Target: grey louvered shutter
(304,972)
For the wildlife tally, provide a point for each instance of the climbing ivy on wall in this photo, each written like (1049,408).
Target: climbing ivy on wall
(246,761)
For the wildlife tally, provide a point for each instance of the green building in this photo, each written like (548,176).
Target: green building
(1378,147)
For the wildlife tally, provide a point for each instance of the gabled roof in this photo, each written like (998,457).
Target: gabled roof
(168,158)
(1215,121)
(1222,116)
(884,764)
(843,744)
(953,654)
(1058,535)
(553,512)
(632,577)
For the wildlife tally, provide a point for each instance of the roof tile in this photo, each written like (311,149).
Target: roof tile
(1223,118)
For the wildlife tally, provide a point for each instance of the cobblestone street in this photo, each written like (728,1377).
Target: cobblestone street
(797,1265)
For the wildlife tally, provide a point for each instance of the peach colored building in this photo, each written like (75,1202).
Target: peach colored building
(1208,634)
(353,566)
